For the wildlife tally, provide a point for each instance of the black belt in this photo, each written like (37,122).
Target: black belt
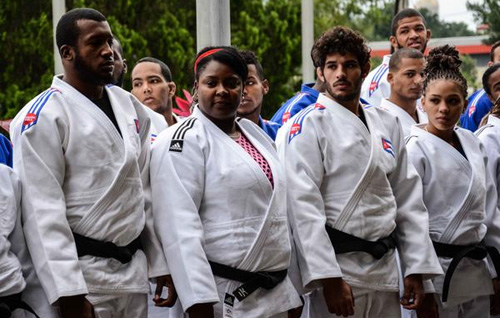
(10,303)
(251,281)
(345,243)
(458,252)
(89,246)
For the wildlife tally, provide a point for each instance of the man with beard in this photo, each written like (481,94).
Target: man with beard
(408,31)
(153,85)
(81,150)
(352,196)
(406,69)
(256,86)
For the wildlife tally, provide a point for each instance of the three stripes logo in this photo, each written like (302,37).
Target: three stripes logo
(178,138)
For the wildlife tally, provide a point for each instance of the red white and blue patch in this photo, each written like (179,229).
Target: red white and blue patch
(33,114)
(153,138)
(387,145)
(298,120)
(476,99)
(376,79)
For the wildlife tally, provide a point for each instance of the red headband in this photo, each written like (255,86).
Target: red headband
(204,55)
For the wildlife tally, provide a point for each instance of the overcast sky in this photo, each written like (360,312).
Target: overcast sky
(455,11)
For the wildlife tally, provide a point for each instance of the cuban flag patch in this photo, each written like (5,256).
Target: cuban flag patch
(376,79)
(387,145)
(33,114)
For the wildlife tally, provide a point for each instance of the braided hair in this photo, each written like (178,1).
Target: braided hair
(443,63)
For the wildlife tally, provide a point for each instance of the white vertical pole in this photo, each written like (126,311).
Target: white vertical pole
(58,9)
(307,16)
(212,23)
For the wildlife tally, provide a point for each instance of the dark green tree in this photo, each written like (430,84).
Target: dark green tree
(442,29)
(488,12)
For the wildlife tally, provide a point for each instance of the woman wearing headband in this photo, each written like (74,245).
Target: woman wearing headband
(219,200)
(458,192)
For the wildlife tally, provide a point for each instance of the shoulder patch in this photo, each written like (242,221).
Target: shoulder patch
(178,138)
(298,120)
(387,145)
(473,105)
(31,117)
(376,79)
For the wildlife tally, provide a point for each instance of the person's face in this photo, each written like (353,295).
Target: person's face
(406,81)
(443,103)
(253,93)
(93,55)
(342,76)
(120,65)
(150,87)
(411,33)
(219,91)
(496,56)
(494,84)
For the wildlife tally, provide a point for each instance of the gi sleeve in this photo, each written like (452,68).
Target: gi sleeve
(11,277)
(177,182)
(157,264)
(491,156)
(412,220)
(302,159)
(40,163)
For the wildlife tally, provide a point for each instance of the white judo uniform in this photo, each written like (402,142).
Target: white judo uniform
(375,87)
(405,119)
(11,276)
(461,200)
(356,180)
(212,202)
(79,174)
(158,123)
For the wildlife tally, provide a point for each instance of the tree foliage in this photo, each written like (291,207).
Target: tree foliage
(488,12)
(442,29)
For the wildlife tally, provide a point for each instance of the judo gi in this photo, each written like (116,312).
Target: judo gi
(269,127)
(461,200)
(405,119)
(375,87)
(212,202)
(479,105)
(81,175)
(301,100)
(356,180)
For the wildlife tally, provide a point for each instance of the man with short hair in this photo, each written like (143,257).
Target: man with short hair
(120,63)
(153,85)
(256,87)
(352,195)
(479,102)
(406,69)
(81,150)
(408,31)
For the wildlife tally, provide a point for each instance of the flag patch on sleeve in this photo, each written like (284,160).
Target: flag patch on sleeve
(387,144)
(33,114)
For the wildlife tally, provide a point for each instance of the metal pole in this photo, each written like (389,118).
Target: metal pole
(307,16)
(58,9)
(213,26)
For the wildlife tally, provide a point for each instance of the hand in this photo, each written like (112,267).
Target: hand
(414,292)
(295,312)
(495,298)
(76,307)
(428,308)
(338,296)
(165,281)
(201,311)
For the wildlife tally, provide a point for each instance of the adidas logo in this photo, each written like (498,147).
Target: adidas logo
(229,300)
(176,145)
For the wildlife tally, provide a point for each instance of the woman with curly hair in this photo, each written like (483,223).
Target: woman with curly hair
(458,192)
